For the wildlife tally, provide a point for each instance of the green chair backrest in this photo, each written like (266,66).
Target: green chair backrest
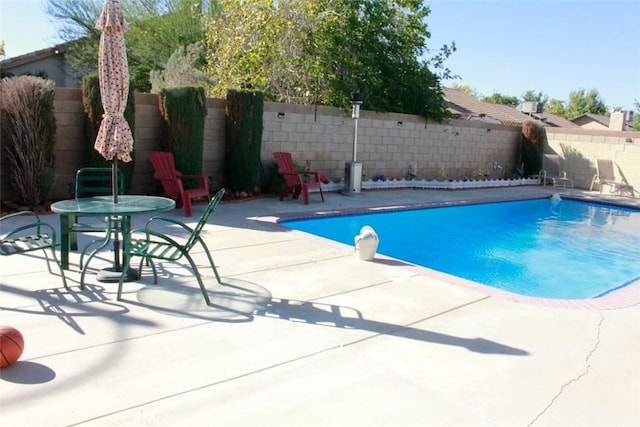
(96,182)
(193,238)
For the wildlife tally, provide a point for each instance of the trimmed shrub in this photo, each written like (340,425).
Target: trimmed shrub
(243,140)
(27,132)
(183,110)
(532,147)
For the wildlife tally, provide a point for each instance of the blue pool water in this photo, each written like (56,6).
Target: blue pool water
(567,249)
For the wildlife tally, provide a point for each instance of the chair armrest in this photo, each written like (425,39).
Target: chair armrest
(37,225)
(157,234)
(151,232)
(166,219)
(204,182)
(315,175)
(21,213)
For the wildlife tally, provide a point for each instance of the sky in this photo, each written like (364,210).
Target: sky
(503,46)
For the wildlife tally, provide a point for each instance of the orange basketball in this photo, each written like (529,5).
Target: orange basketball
(11,345)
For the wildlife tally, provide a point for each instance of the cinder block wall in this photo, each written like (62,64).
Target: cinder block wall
(70,150)
(324,137)
(387,143)
(580,148)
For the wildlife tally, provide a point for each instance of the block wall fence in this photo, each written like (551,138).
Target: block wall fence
(323,136)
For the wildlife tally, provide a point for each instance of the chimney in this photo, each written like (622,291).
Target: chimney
(616,121)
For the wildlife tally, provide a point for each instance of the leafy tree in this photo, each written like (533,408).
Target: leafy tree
(309,51)
(533,96)
(498,98)
(635,125)
(468,90)
(183,69)
(249,45)
(580,102)
(374,46)
(555,106)
(3,73)
(583,102)
(437,61)
(157,29)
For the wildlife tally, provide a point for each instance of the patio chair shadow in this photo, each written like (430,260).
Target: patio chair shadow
(233,301)
(69,305)
(238,300)
(350,318)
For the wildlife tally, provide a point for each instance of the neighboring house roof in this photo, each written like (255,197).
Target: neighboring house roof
(49,61)
(599,121)
(589,117)
(555,121)
(32,57)
(467,107)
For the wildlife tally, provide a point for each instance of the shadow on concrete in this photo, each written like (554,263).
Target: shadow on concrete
(237,301)
(233,301)
(350,318)
(69,305)
(27,373)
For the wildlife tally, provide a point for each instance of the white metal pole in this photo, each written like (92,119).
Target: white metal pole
(355,138)
(356,114)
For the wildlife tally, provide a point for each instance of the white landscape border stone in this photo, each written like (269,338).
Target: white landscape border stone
(435,184)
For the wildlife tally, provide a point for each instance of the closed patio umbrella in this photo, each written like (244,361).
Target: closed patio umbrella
(114,140)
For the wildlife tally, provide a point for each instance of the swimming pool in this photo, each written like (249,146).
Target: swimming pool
(542,248)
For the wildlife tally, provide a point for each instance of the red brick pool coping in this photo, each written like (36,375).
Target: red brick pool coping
(624,297)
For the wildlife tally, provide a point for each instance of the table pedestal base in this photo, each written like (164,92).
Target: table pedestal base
(112,274)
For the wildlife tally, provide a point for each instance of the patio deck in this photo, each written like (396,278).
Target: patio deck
(304,333)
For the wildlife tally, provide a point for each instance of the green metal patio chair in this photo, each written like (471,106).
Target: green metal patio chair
(92,182)
(32,236)
(155,245)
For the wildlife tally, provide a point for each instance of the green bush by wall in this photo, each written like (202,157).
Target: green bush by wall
(243,140)
(183,110)
(532,148)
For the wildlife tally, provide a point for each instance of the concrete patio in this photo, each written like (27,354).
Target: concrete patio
(302,333)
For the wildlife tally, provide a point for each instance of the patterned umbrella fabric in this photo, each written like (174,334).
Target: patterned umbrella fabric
(114,140)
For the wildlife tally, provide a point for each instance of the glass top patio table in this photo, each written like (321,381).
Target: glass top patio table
(103,205)
(127,206)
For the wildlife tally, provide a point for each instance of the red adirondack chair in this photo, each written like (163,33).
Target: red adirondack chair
(172,181)
(296,182)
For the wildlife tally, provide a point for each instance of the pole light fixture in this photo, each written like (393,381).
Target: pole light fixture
(353,169)
(356,99)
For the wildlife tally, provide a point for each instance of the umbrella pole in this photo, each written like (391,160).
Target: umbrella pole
(118,225)
(114,180)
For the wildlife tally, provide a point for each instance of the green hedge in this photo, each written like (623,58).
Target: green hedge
(532,147)
(244,113)
(183,111)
